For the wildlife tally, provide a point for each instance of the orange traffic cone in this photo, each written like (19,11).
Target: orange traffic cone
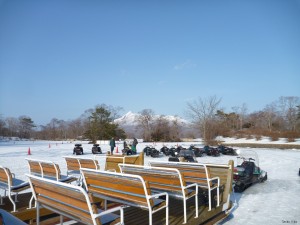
(117,150)
(29,151)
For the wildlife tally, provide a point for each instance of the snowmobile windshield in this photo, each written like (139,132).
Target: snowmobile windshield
(247,155)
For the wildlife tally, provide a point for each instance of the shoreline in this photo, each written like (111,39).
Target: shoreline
(263,145)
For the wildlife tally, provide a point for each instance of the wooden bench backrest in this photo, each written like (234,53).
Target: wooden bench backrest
(129,189)
(72,163)
(5,176)
(192,173)
(60,197)
(44,168)
(89,164)
(112,161)
(78,163)
(164,179)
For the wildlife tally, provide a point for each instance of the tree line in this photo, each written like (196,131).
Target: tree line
(207,119)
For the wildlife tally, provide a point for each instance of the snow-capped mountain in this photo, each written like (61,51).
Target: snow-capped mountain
(129,119)
(129,124)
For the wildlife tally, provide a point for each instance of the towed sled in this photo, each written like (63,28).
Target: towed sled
(185,155)
(247,171)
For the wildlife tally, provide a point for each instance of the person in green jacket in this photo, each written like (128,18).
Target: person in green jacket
(112,144)
(133,147)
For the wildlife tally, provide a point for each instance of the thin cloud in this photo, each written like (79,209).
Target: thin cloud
(188,64)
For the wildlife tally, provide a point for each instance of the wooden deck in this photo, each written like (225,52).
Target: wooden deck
(132,215)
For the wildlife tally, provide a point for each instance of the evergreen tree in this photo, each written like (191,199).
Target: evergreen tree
(101,126)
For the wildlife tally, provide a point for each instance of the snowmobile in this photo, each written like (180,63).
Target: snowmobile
(211,151)
(198,151)
(151,151)
(165,150)
(96,149)
(227,150)
(247,171)
(185,155)
(78,150)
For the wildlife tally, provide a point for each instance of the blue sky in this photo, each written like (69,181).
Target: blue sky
(59,58)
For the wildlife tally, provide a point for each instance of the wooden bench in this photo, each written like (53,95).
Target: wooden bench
(169,180)
(48,169)
(127,189)
(195,173)
(9,183)
(74,164)
(70,201)
(112,161)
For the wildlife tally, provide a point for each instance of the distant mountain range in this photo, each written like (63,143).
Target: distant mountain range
(129,122)
(130,119)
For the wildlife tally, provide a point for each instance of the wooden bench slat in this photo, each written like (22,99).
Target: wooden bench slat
(169,180)
(195,173)
(68,200)
(47,169)
(126,189)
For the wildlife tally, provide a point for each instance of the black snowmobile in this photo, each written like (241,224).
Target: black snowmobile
(197,150)
(247,171)
(96,149)
(165,150)
(78,150)
(227,150)
(151,151)
(211,151)
(173,151)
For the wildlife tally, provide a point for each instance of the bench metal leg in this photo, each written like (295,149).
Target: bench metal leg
(184,209)
(150,217)
(167,210)
(12,201)
(16,197)
(209,200)
(1,200)
(218,196)
(196,202)
(61,218)
(30,202)
(37,213)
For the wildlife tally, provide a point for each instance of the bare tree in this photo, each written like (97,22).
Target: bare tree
(241,111)
(160,129)
(175,128)
(202,112)
(12,125)
(289,110)
(270,113)
(144,120)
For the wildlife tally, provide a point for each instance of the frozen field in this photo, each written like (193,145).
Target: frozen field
(277,201)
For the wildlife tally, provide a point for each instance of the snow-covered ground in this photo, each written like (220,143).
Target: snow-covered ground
(276,201)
